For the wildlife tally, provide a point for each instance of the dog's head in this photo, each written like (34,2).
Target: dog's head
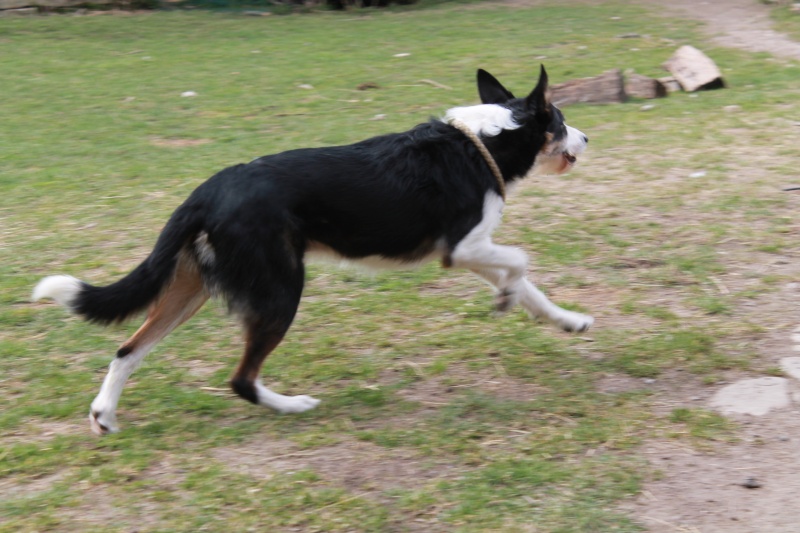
(551,147)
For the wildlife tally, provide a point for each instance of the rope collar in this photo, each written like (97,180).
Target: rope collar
(463,128)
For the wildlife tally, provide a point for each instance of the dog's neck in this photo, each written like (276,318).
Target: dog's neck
(463,128)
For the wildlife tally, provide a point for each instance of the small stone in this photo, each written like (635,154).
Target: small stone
(699,174)
(732,108)
(305,86)
(404,54)
(647,107)
(752,483)
(188,94)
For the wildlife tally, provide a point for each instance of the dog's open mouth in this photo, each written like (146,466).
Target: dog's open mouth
(567,160)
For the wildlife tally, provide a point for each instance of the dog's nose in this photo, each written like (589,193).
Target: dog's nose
(586,139)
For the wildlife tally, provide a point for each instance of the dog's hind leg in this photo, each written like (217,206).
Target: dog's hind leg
(182,299)
(266,323)
(263,336)
(533,301)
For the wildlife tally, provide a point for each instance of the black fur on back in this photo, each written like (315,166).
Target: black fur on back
(397,196)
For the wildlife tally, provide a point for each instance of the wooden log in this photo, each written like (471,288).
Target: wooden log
(607,88)
(15,4)
(694,70)
(639,86)
(670,83)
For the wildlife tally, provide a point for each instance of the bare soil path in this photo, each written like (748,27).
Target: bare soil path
(750,486)
(741,24)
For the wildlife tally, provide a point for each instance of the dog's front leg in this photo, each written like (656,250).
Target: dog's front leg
(504,266)
(535,302)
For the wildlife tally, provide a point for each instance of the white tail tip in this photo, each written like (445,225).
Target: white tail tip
(62,289)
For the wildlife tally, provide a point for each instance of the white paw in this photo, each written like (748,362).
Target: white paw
(573,322)
(296,404)
(102,423)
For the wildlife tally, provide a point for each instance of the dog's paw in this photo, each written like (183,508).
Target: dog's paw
(296,404)
(102,423)
(573,322)
(505,300)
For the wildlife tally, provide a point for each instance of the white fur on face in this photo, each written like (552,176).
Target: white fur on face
(552,161)
(484,119)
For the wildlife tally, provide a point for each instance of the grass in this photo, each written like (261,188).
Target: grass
(786,19)
(502,424)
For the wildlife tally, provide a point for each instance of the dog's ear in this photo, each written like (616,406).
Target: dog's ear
(490,90)
(539,99)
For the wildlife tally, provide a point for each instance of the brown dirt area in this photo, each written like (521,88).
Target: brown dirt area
(741,24)
(751,485)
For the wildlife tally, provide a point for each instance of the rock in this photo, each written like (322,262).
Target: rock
(754,397)
(752,483)
(694,70)
(791,365)
(367,86)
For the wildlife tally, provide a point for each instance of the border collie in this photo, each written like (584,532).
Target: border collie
(435,192)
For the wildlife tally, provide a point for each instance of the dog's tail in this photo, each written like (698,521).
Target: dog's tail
(134,292)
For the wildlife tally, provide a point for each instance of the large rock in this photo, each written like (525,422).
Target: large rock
(694,70)
(754,397)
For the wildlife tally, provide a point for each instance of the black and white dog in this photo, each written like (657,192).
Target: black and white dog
(435,192)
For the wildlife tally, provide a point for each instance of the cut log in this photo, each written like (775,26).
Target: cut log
(670,83)
(607,88)
(694,70)
(640,86)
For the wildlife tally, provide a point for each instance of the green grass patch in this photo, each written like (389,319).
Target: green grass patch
(500,419)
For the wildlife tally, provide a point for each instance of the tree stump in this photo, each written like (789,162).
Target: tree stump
(607,88)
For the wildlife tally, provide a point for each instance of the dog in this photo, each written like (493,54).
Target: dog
(435,192)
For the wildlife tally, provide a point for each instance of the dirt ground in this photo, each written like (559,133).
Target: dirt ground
(752,485)
(737,24)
